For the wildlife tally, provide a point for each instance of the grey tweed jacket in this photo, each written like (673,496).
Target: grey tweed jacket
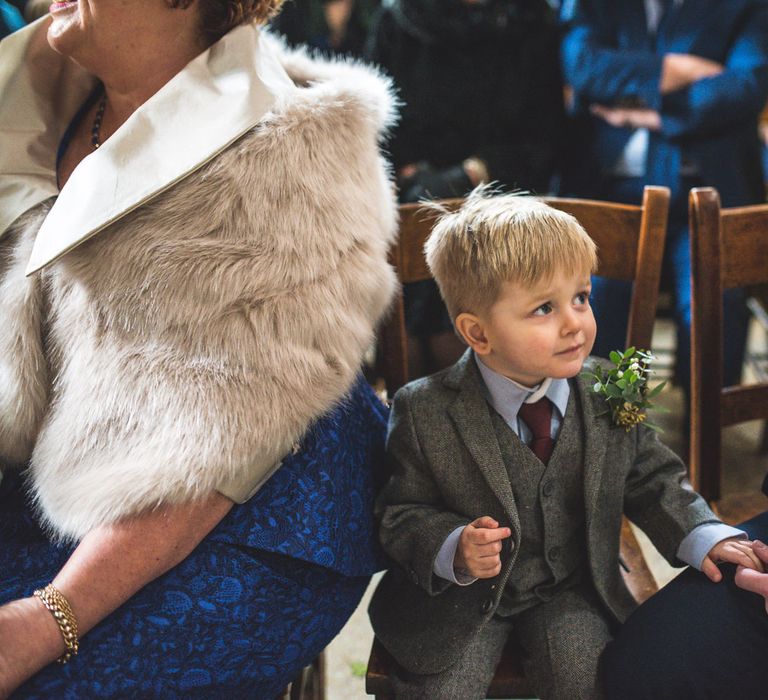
(447,470)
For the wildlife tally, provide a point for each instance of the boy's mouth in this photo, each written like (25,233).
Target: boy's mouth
(571,350)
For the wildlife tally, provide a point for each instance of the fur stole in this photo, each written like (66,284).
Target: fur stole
(189,345)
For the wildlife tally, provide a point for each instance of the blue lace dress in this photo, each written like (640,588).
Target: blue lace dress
(257,600)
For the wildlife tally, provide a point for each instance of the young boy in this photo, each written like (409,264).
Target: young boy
(503,511)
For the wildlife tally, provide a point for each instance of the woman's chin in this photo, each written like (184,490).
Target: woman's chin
(64,28)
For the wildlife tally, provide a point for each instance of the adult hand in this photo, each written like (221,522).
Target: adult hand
(752,580)
(628,117)
(733,550)
(337,15)
(29,640)
(476,170)
(110,564)
(679,70)
(479,550)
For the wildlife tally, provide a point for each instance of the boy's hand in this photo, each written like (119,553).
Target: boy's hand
(733,550)
(479,550)
(751,580)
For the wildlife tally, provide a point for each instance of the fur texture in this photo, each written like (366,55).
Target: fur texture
(194,340)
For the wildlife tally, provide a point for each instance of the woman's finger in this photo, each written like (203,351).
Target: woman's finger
(751,580)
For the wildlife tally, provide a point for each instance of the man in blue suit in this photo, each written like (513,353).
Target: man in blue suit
(666,92)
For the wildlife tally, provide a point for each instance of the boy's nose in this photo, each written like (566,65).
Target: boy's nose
(571,323)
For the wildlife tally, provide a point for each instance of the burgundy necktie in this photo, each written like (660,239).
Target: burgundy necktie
(538,418)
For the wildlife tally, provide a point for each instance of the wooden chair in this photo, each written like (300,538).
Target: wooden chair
(729,249)
(630,242)
(309,684)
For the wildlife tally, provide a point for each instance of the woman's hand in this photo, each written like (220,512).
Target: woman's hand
(751,579)
(110,565)
(29,641)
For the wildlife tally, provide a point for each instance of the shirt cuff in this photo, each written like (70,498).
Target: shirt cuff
(443,566)
(699,541)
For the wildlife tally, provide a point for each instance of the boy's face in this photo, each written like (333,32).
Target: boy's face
(546,330)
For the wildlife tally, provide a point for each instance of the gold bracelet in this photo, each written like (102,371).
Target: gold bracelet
(57,605)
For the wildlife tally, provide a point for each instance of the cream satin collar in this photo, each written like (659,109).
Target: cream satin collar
(218,96)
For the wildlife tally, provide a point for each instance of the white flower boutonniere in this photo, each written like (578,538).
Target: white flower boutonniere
(625,387)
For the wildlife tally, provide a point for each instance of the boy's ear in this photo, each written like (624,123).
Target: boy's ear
(472,329)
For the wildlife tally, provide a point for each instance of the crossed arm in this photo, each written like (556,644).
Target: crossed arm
(679,94)
(111,564)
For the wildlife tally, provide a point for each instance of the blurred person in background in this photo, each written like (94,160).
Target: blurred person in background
(666,92)
(329,26)
(482,102)
(11,18)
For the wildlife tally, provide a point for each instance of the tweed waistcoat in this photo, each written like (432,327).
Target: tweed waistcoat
(550,502)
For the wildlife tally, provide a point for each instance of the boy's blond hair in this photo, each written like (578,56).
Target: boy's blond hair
(504,238)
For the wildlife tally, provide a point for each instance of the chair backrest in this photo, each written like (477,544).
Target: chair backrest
(630,242)
(729,249)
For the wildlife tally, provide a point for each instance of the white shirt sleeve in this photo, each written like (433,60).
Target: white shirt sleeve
(699,541)
(443,566)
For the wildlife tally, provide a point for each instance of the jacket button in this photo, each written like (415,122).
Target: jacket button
(487,605)
(554,553)
(549,487)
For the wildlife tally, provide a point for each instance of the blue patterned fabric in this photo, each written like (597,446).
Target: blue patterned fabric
(256,601)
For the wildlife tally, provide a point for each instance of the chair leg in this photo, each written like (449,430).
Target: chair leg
(310,683)
(319,677)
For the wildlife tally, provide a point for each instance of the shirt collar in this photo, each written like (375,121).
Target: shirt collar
(214,100)
(507,396)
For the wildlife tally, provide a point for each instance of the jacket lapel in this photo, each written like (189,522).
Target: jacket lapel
(595,441)
(634,24)
(684,26)
(472,419)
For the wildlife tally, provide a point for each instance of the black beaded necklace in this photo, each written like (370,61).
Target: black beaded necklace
(96,128)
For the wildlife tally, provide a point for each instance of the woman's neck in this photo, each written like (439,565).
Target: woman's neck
(130,86)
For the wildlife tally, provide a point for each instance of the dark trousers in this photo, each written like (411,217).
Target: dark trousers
(694,640)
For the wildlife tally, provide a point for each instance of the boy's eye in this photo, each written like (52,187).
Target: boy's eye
(543,310)
(582,298)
